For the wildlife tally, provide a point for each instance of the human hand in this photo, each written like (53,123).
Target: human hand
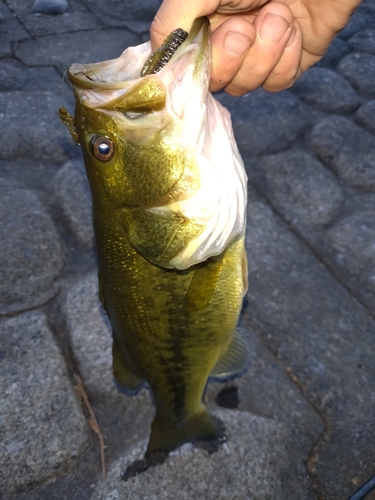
(257,43)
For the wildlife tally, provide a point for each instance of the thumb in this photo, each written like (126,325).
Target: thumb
(174,14)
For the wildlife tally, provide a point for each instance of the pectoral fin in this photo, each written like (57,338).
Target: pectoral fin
(156,237)
(234,362)
(203,285)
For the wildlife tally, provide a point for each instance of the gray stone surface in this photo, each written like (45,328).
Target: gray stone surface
(141,28)
(40,134)
(324,338)
(363,18)
(117,13)
(364,41)
(352,243)
(31,257)
(326,90)
(12,75)
(50,7)
(300,187)
(347,149)
(17,76)
(11,30)
(73,197)
(357,23)
(311,344)
(337,50)
(91,342)
(359,70)
(123,420)
(43,430)
(90,336)
(365,116)
(256,463)
(78,17)
(82,47)
(266,123)
(266,390)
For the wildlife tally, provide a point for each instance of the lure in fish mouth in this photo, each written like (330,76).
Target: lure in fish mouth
(169,198)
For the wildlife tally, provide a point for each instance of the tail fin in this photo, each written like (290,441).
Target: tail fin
(200,427)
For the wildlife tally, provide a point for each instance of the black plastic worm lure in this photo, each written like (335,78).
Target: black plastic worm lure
(162,56)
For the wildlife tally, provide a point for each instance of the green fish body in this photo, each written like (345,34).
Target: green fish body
(169,195)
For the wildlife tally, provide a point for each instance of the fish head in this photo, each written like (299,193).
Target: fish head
(138,133)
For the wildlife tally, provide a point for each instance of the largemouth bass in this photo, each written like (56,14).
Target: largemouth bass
(169,198)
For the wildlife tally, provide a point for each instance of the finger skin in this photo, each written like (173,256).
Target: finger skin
(288,69)
(230,44)
(273,26)
(273,64)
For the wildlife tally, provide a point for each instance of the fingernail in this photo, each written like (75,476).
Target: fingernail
(236,43)
(292,36)
(273,28)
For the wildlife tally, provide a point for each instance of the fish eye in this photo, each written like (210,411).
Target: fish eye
(103,148)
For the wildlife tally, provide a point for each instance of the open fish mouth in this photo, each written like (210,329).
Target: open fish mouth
(120,73)
(157,112)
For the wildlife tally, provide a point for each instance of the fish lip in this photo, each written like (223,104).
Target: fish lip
(79,74)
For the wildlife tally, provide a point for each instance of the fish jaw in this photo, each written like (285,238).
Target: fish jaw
(107,86)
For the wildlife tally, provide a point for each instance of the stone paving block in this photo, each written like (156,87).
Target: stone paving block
(300,187)
(50,7)
(266,390)
(118,13)
(16,76)
(90,336)
(35,176)
(325,339)
(31,257)
(363,41)
(43,430)
(81,47)
(77,18)
(347,149)
(141,28)
(337,50)
(10,31)
(12,75)
(326,90)
(257,462)
(356,23)
(122,418)
(39,135)
(73,197)
(365,116)
(352,243)
(265,123)
(359,70)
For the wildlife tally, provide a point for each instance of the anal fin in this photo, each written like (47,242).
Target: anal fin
(126,381)
(233,363)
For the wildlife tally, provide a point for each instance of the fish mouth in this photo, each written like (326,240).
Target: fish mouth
(119,74)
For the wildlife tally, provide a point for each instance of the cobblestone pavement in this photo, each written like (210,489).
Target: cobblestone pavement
(301,422)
